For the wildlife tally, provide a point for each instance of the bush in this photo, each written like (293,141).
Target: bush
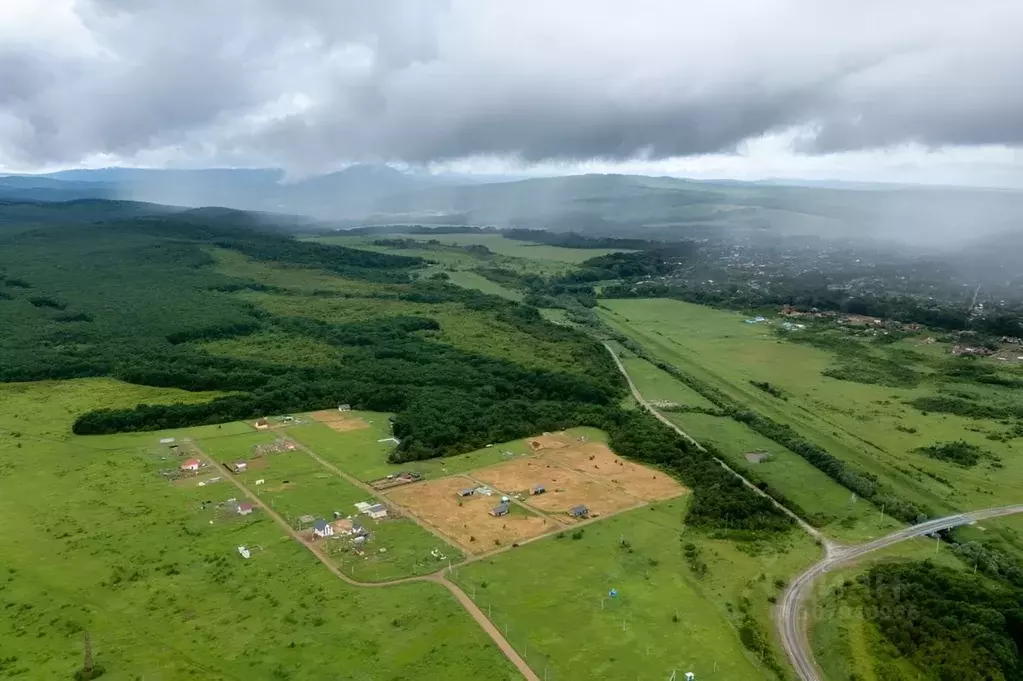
(960,452)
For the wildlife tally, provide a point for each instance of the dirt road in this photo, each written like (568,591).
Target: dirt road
(438,577)
(829,546)
(789,614)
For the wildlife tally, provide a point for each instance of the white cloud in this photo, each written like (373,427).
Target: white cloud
(919,90)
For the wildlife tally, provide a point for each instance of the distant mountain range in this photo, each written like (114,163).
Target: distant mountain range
(653,207)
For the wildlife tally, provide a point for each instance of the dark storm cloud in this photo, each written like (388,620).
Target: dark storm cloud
(307,84)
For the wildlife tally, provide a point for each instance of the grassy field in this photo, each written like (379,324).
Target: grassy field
(541,255)
(659,386)
(475,331)
(296,485)
(834,509)
(832,506)
(358,452)
(469,279)
(95,540)
(552,597)
(867,425)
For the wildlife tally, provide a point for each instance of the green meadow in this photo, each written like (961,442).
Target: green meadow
(670,614)
(869,426)
(360,454)
(97,541)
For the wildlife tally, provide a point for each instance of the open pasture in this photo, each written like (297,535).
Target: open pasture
(96,541)
(552,596)
(868,425)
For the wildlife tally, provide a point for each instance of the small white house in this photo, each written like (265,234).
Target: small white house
(377,511)
(321,528)
(191,465)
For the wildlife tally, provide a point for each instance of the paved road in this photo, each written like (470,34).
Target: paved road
(790,616)
(438,577)
(827,544)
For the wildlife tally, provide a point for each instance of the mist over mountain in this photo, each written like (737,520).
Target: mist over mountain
(925,218)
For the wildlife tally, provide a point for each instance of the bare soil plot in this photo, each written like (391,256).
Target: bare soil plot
(565,488)
(339,421)
(467,520)
(595,460)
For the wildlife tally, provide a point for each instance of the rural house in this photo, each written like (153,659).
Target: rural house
(243,508)
(579,512)
(500,510)
(262,424)
(359,530)
(238,466)
(466,492)
(377,511)
(190,465)
(322,529)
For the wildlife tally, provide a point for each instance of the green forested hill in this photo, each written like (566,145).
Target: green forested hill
(205,303)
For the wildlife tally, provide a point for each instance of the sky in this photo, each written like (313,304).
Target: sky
(868,90)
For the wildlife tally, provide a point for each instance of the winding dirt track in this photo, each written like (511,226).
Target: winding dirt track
(437,577)
(790,615)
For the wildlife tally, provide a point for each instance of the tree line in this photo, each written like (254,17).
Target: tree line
(145,296)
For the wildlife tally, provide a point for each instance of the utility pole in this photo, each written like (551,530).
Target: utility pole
(87,664)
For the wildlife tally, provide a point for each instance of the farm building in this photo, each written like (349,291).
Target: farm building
(579,512)
(359,530)
(322,529)
(166,440)
(344,407)
(243,508)
(191,465)
(538,489)
(306,519)
(500,510)
(238,466)
(466,492)
(262,424)
(362,506)
(377,511)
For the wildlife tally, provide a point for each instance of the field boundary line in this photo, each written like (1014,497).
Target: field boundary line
(828,545)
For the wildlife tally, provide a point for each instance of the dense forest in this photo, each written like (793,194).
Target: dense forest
(139,299)
(950,624)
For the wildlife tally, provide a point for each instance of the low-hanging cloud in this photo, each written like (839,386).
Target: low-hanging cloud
(307,84)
